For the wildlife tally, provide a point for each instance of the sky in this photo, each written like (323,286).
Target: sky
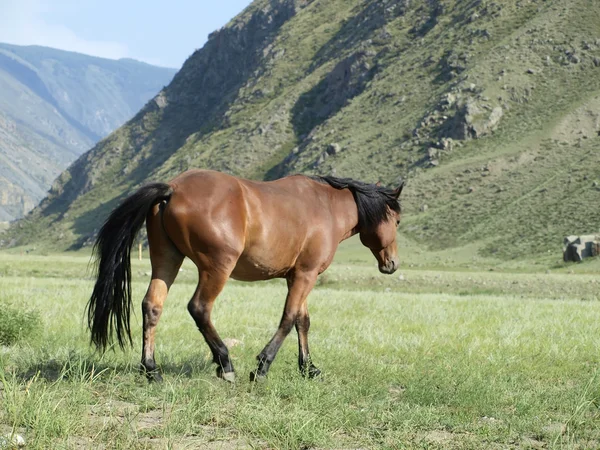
(158,32)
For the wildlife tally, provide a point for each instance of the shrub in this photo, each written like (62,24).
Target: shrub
(17,324)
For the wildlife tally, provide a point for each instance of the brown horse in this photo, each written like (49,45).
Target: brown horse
(247,230)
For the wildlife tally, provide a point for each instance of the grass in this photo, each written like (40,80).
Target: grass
(439,359)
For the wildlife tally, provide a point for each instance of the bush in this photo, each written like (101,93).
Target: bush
(17,324)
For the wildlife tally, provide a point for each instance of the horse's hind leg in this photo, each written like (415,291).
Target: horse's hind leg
(302,326)
(166,261)
(210,285)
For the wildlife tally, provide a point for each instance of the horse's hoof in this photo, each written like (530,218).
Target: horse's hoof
(154,376)
(227,376)
(310,372)
(313,372)
(255,377)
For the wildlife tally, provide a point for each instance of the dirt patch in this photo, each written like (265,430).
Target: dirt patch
(79,442)
(438,436)
(151,423)
(555,428)
(119,412)
(441,439)
(179,443)
(193,442)
(532,443)
(583,123)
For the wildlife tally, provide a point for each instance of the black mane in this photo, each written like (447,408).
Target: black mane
(371,200)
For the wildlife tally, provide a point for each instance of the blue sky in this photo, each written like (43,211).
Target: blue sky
(164,33)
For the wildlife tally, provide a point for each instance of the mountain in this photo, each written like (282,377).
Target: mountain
(54,105)
(489,109)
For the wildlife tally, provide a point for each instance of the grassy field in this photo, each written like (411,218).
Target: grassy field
(425,358)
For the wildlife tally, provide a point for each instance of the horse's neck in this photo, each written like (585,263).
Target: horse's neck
(346,214)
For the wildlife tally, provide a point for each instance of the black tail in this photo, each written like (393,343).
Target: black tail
(110,303)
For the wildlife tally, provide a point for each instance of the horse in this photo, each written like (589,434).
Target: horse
(235,228)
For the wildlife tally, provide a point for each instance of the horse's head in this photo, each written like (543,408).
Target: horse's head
(381,238)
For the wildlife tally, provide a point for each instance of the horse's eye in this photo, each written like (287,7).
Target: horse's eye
(397,222)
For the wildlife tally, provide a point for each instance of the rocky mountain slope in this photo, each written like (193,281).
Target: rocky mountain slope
(55,105)
(490,110)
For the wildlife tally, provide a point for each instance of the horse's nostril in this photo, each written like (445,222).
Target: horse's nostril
(388,267)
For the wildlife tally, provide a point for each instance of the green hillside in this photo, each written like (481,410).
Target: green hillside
(489,109)
(54,105)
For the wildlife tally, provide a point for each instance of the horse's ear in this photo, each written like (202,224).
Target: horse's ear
(398,190)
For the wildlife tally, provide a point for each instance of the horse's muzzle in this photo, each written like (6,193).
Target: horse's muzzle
(389,267)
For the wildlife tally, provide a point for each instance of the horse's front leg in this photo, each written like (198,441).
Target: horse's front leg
(299,285)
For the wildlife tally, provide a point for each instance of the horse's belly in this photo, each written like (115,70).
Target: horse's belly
(256,268)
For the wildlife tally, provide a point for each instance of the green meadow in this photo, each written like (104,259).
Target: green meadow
(451,351)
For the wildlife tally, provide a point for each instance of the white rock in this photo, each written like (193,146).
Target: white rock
(232,342)
(12,441)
